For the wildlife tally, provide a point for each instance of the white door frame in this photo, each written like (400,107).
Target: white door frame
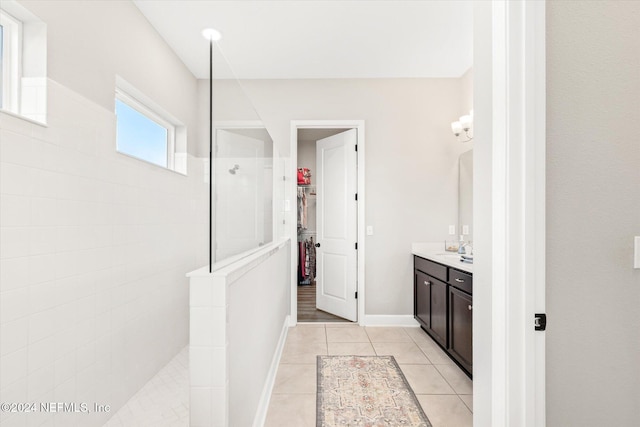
(292,195)
(509,213)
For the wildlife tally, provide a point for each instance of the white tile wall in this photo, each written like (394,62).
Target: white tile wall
(94,247)
(34,98)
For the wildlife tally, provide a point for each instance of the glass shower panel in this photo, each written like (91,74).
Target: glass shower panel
(243,169)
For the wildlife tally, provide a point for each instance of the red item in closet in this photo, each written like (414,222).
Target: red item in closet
(304,176)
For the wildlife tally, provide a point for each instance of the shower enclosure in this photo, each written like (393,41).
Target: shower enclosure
(230,374)
(244,168)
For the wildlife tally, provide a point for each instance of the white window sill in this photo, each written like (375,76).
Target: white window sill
(25,118)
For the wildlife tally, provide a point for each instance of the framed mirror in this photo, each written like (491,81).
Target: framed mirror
(465,195)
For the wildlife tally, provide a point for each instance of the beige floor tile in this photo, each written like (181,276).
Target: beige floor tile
(346,335)
(162,401)
(458,380)
(468,400)
(291,410)
(311,324)
(446,411)
(306,334)
(345,324)
(404,352)
(434,353)
(386,334)
(351,348)
(417,334)
(302,352)
(426,379)
(295,378)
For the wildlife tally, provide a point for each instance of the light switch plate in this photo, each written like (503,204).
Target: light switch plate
(369,230)
(452,230)
(636,252)
(465,229)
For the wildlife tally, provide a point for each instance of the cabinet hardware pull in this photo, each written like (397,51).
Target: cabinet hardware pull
(427,283)
(469,307)
(459,280)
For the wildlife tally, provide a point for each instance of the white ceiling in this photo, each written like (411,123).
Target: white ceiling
(320,39)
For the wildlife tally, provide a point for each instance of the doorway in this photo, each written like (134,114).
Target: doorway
(328,248)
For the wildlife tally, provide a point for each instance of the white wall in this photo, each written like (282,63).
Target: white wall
(307,159)
(258,304)
(482,217)
(307,155)
(411,163)
(89,42)
(466,92)
(593,212)
(94,245)
(239,316)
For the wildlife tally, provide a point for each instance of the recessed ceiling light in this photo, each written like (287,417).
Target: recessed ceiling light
(211,34)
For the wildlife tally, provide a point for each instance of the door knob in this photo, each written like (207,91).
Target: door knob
(427,283)
(469,307)
(317,245)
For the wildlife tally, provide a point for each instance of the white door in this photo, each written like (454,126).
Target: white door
(337,223)
(239,210)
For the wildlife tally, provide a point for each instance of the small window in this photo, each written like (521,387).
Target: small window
(10,44)
(23,62)
(143,131)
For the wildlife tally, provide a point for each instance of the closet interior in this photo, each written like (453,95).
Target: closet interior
(307,226)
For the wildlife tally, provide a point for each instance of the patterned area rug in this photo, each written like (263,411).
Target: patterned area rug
(365,391)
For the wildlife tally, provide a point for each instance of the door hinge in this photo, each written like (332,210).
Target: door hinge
(540,321)
(356,294)
(356,246)
(356,196)
(356,147)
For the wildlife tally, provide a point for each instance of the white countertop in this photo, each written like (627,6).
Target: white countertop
(435,252)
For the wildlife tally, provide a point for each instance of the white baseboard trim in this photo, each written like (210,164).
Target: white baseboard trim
(389,320)
(265,398)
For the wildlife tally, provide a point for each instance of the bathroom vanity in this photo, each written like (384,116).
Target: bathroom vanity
(443,301)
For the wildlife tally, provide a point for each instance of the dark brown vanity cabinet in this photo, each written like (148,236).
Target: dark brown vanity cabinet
(431,306)
(443,304)
(430,298)
(422,299)
(439,311)
(460,327)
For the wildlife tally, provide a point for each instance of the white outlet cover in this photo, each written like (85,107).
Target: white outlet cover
(452,230)
(465,229)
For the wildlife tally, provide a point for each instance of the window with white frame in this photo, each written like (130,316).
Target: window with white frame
(23,62)
(146,131)
(10,60)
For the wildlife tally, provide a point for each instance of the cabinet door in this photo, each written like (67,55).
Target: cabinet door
(422,297)
(461,327)
(439,311)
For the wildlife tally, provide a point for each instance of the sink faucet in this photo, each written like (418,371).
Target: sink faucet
(461,248)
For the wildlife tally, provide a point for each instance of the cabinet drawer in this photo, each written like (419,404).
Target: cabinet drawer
(461,280)
(433,269)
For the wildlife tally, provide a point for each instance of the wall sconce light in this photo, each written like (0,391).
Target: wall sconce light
(464,124)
